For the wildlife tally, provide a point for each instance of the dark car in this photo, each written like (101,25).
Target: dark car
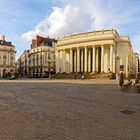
(11,77)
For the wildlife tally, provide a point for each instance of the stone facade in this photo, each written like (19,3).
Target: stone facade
(7,57)
(23,64)
(95,52)
(137,62)
(41,57)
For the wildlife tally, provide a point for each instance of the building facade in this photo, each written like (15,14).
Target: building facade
(95,52)
(7,57)
(41,57)
(23,64)
(137,62)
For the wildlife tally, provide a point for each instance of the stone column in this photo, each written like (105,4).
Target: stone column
(75,63)
(97,59)
(114,68)
(111,58)
(102,58)
(59,61)
(56,61)
(64,60)
(93,60)
(85,59)
(89,60)
(82,60)
(71,60)
(78,59)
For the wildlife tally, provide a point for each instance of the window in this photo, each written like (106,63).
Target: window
(4,57)
(4,63)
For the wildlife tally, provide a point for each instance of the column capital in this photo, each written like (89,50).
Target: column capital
(112,45)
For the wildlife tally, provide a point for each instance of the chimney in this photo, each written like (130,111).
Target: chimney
(39,40)
(33,43)
(3,38)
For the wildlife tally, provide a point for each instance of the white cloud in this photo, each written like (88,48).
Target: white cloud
(82,16)
(40,29)
(61,21)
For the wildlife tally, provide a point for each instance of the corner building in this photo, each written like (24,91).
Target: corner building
(95,52)
(23,64)
(7,57)
(41,57)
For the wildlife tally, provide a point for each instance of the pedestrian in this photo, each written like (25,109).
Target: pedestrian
(137,78)
(121,81)
(82,77)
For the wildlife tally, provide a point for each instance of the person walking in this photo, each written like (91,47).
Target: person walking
(121,80)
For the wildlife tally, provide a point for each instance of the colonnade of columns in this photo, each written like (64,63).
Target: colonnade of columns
(85,59)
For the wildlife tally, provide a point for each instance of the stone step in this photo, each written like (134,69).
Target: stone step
(79,76)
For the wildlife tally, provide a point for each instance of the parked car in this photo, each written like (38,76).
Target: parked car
(11,77)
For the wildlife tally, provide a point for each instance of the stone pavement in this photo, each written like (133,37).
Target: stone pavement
(68,110)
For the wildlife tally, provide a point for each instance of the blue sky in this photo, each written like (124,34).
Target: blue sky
(21,20)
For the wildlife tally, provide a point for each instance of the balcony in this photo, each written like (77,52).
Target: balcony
(3,65)
(7,49)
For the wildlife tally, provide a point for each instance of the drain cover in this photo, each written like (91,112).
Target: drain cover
(128,112)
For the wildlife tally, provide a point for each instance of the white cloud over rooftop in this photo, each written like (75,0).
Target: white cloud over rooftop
(22,20)
(61,21)
(81,16)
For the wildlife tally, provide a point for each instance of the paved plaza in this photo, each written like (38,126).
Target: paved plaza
(68,110)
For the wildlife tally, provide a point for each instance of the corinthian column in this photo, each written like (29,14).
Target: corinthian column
(78,59)
(89,60)
(64,60)
(114,68)
(71,60)
(82,60)
(75,63)
(93,60)
(85,59)
(111,57)
(97,59)
(56,61)
(102,58)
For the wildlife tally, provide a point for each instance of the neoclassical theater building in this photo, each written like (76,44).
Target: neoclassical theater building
(7,57)
(95,52)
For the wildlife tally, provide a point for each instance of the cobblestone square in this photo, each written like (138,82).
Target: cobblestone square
(68,110)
